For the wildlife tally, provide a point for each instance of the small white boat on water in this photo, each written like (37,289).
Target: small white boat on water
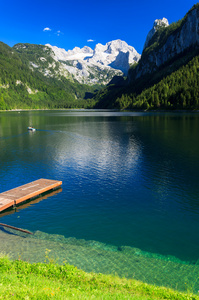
(31,128)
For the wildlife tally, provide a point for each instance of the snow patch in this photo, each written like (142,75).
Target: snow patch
(30,91)
(34,65)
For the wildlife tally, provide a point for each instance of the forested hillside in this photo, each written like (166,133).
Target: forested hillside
(178,90)
(21,87)
(167,74)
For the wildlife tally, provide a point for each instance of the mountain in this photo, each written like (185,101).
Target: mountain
(166,74)
(169,42)
(96,66)
(156,26)
(22,85)
(44,76)
(84,65)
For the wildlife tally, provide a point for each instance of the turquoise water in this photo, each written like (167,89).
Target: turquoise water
(130,185)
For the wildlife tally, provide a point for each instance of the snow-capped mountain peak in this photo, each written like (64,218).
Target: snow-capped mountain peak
(98,65)
(109,53)
(77,53)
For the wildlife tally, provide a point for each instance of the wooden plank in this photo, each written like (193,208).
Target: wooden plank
(26,192)
(5,203)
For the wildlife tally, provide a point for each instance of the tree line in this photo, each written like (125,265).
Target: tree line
(176,91)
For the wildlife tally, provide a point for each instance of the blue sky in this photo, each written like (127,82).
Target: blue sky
(73,23)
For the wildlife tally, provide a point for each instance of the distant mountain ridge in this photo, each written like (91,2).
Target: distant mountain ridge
(99,65)
(84,65)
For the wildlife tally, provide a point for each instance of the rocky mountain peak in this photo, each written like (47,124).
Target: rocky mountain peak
(117,45)
(87,49)
(116,54)
(158,23)
(77,53)
(181,37)
(98,65)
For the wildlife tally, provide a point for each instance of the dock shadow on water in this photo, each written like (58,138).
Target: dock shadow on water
(30,202)
(93,256)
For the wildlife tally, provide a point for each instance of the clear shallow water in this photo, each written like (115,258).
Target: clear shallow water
(130,181)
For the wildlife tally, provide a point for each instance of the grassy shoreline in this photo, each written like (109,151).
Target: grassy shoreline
(23,280)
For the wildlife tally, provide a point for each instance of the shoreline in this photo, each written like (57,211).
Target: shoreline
(104,110)
(128,263)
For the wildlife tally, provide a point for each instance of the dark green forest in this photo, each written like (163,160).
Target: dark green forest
(23,88)
(179,90)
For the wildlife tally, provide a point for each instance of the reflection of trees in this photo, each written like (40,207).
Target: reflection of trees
(171,152)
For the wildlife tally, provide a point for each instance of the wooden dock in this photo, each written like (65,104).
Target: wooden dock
(26,192)
(32,201)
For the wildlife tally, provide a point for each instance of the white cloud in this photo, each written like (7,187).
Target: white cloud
(90,40)
(47,29)
(58,32)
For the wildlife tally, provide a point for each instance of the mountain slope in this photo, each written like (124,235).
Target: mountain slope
(168,43)
(167,51)
(38,76)
(179,90)
(86,66)
(21,87)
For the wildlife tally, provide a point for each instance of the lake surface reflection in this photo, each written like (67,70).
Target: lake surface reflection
(129,179)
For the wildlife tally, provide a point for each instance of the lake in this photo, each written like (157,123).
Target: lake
(129,202)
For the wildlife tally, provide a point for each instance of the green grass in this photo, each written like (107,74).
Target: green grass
(22,280)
